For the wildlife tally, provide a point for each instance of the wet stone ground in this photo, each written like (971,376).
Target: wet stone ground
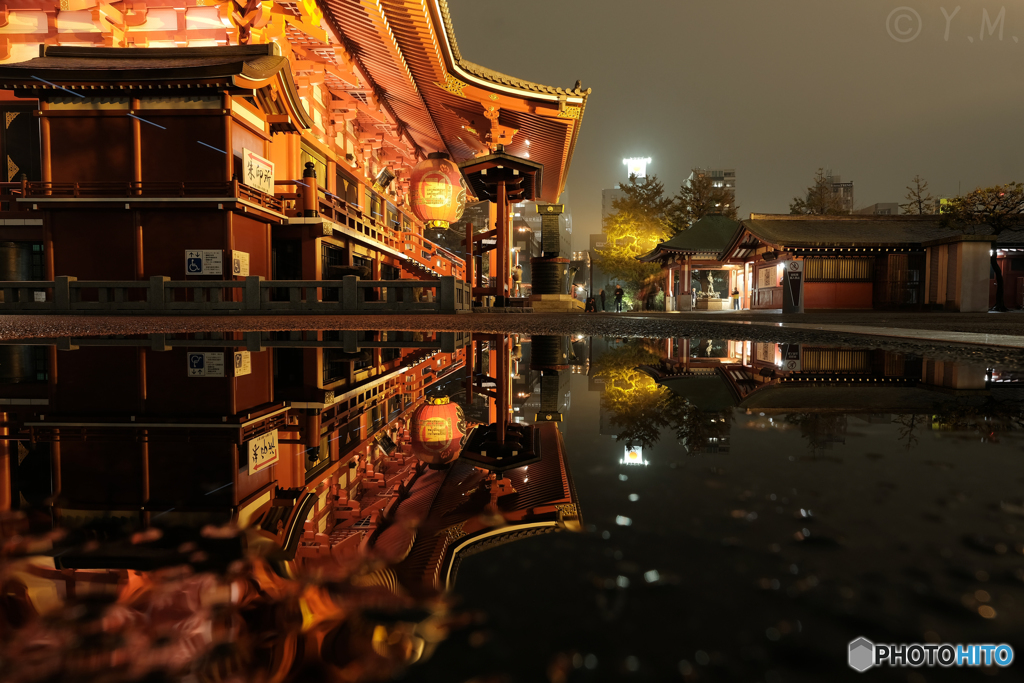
(739,523)
(609,325)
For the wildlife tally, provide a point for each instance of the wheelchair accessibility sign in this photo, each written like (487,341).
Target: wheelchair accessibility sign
(205,364)
(204,262)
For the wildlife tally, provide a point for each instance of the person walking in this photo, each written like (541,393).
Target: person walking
(603,307)
(618,299)
(735,299)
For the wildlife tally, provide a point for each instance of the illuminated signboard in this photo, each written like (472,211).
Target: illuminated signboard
(633,456)
(637,166)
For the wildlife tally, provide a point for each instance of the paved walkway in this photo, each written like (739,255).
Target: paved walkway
(987,329)
(979,329)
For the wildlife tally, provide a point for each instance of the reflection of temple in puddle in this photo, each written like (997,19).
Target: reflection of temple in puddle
(816,389)
(326,448)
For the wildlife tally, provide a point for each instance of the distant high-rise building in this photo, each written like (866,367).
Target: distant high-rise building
(842,190)
(607,198)
(721,178)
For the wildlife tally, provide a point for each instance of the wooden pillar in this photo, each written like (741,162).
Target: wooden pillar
(136,146)
(229,154)
(144,456)
(503,387)
(44,142)
(470,261)
(5,466)
(503,241)
(140,264)
(668,289)
(55,482)
(470,368)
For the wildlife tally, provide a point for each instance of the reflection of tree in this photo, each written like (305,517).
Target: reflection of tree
(908,426)
(990,419)
(632,398)
(694,427)
(641,408)
(820,429)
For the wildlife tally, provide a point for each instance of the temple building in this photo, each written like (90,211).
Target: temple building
(849,262)
(282,140)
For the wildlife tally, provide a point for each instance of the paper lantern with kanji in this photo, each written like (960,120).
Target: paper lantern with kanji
(438,430)
(438,191)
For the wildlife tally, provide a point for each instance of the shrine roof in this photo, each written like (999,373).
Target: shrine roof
(710,235)
(116,64)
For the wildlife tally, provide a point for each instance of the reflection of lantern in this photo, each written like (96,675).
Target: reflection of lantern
(438,431)
(438,194)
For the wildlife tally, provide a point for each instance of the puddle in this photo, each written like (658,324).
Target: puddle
(307,506)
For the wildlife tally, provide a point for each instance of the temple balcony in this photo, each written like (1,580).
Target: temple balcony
(41,195)
(421,258)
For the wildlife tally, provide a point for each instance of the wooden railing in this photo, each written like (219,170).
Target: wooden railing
(253,295)
(153,189)
(425,256)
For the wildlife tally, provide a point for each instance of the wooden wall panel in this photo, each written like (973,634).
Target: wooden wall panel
(107,473)
(175,154)
(167,234)
(188,474)
(88,373)
(171,392)
(836,295)
(94,245)
(91,149)
(253,237)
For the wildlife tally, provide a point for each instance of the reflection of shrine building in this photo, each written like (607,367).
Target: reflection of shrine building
(821,388)
(348,496)
(164,442)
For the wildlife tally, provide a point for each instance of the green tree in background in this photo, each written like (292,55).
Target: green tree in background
(989,211)
(640,220)
(821,199)
(698,197)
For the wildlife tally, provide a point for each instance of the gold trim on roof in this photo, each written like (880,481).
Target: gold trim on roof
(453,85)
(570,113)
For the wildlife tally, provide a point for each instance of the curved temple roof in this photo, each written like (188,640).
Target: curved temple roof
(447,103)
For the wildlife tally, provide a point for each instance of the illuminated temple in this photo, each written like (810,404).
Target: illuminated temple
(302,141)
(210,143)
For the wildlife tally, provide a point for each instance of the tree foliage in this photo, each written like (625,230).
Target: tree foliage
(697,198)
(640,408)
(989,211)
(920,201)
(821,199)
(639,221)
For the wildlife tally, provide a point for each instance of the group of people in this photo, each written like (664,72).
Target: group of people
(647,299)
(618,294)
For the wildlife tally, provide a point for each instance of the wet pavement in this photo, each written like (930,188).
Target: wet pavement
(984,337)
(670,507)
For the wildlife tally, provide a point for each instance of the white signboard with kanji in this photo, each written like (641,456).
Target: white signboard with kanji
(204,262)
(205,363)
(243,363)
(239,263)
(263,452)
(257,172)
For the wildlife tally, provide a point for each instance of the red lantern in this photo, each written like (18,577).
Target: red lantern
(438,432)
(438,194)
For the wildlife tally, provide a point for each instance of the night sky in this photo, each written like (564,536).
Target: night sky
(772,89)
